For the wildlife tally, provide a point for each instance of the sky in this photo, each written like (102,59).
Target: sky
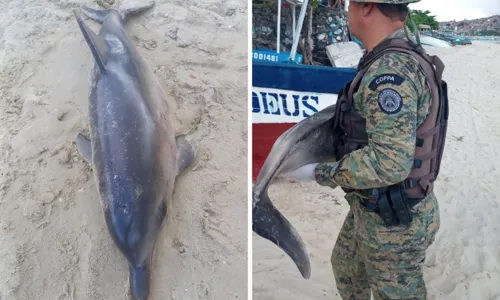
(448,10)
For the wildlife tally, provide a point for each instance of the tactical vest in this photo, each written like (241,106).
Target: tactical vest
(430,134)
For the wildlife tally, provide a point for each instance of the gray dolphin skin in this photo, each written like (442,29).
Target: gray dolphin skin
(132,147)
(309,141)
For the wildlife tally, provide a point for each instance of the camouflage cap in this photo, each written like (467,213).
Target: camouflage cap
(388,1)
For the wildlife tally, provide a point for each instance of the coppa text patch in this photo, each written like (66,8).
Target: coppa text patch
(385,79)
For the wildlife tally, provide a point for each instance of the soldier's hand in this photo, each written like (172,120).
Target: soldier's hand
(304,173)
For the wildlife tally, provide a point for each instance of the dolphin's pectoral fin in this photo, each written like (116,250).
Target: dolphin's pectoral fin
(270,224)
(185,153)
(94,14)
(96,43)
(126,13)
(139,282)
(83,145)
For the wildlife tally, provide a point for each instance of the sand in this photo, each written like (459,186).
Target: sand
(463,262)
(54,244)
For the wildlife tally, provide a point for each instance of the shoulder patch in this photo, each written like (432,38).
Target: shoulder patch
(390,101)
(386,79)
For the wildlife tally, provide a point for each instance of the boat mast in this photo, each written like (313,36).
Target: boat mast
(298,29)
(278,42)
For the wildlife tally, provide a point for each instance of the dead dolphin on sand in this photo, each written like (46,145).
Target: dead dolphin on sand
(309,141)
(132,145)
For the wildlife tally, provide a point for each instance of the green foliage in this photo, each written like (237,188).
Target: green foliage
(424,18)
(318,3)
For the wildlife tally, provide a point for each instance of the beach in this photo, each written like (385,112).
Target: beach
(463,262)
(54,243)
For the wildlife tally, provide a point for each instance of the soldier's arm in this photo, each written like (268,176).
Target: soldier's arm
(390,109)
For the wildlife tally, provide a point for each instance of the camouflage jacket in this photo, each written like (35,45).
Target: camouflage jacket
(388,157)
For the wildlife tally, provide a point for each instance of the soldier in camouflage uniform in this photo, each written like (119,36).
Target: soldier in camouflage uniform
(368,255)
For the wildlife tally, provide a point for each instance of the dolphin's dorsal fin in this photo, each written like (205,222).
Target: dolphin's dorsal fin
(97,45)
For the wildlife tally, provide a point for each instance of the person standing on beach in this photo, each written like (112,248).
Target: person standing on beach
(391,124)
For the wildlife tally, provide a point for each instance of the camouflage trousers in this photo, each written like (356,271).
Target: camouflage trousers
(368,256)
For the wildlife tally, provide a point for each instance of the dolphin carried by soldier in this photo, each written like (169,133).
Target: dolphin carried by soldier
(309,141)
(132,146)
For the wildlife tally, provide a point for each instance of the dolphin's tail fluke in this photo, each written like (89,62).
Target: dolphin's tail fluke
(270,224)
(96,43)
(95,14)
(126,13)
(139,282)
(100,15)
